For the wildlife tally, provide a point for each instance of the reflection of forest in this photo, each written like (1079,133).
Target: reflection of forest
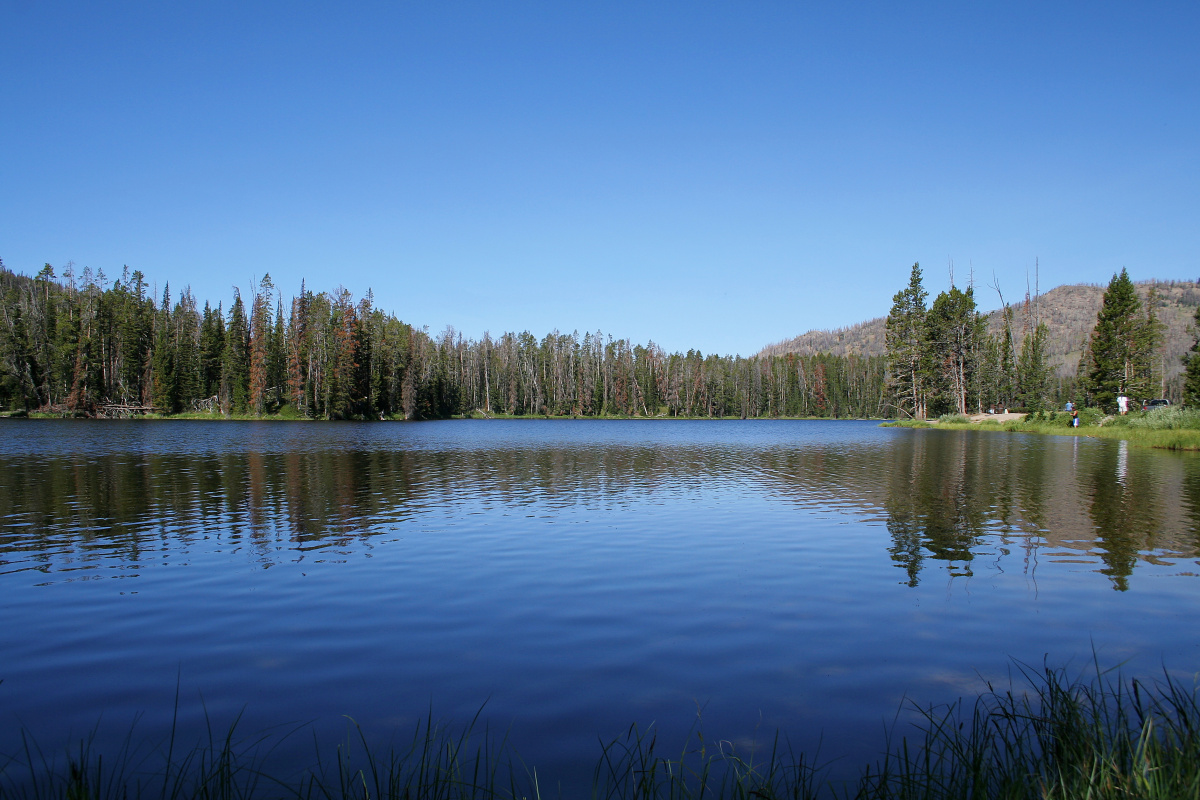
(64,511)
(955,496)
(949,497)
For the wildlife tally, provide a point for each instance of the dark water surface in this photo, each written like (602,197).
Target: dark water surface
(571,577)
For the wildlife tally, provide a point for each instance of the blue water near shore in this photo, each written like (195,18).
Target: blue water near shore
(570,578)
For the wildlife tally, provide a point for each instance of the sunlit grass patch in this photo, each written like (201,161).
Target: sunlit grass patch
(1171,428)
(1168,418)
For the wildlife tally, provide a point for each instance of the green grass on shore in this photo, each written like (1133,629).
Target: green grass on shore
(1043,735)
(1169,428)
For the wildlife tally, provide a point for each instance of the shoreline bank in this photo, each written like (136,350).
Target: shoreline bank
(1166,430)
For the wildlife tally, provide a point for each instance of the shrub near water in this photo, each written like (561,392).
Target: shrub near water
(1168,418)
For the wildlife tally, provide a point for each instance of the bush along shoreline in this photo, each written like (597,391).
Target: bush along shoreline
(1171,428)
(1044,735)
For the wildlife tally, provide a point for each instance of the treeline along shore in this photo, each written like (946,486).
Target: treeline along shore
(76,344)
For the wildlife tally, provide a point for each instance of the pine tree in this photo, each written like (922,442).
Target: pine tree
(905,342)
(297,353)
(339,387)
(1152,381)
(1034,369)
(1191,375)
(953,334)
(1122,347)
(41,308)
(212,349)
(185,338)
(16,385)
(85,368)
(162,360)
(235,360)
(277,358)
(260,345)
(1005,378)
(67,334)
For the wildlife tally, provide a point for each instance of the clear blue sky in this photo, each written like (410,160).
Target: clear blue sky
(708,175)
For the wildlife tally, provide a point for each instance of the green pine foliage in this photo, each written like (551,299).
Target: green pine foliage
(1033,371)
(999,383)
(235,361)
(164,376)
(943,360)
(907,352)
(1123,346)
(954,335)
(212,346)
(83,347)
(259,347)
(1191,375)
(185,338)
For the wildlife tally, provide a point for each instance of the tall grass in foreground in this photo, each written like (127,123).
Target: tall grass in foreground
(1044,736)
(1105,738)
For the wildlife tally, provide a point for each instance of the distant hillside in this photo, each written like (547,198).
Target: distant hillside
(863,339)
(1068,311)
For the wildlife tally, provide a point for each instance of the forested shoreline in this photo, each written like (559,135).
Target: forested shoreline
(75,344)
(942,359)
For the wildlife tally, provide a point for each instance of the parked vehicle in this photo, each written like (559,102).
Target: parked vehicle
(1149,405)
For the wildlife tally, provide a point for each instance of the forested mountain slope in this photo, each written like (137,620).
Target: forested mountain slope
(1068,311)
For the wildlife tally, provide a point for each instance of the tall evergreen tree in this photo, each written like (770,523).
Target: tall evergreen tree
(185,338)
(212,350)
(67,334)
(954,332)
(235,360)
(297,353)
(1122,346)
(164,396)
(16,381)
(277,358)
(905,342)
(42,312)
(1191,375)
(86,379)
(1004,379)
(1151,366)
(361,392)
(1034,370)
(260,345)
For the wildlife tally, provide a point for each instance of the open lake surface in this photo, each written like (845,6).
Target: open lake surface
(571,578)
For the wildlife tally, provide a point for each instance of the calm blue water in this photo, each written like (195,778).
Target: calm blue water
(570,578)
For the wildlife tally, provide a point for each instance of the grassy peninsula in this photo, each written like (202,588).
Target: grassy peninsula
(1170,428)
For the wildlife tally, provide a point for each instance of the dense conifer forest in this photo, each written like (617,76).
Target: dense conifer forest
(79,344)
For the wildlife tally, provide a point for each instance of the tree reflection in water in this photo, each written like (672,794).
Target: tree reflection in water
(954,496)
(948,498)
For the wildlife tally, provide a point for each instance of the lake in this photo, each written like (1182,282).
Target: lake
(566,579)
